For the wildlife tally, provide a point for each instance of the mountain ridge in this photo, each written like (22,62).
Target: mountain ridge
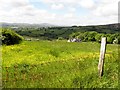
(5,24)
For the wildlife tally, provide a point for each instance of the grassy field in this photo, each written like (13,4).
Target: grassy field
(58,64)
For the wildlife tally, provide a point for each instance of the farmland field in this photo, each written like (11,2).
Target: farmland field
(58,64)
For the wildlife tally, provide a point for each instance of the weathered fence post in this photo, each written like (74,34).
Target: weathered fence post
(102,56)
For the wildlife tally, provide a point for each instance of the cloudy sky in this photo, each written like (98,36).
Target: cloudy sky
(59,12)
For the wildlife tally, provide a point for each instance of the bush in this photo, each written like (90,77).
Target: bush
(98,37)
(91,35)
(60,38)
(81,36)
(73,35)
(118,38)
(110,38)
(9,37)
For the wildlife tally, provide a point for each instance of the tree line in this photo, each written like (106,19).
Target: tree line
(95,36)
(10,37)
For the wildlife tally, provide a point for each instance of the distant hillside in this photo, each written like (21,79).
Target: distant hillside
(26,25)
(48,31)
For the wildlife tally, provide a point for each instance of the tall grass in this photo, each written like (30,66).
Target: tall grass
(58,64)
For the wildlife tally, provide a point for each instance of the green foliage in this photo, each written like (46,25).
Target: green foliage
(52,33)
(94,36)
(54,52)
(9,37)
(98,37)
(118,38)
(110,38)
(60,38)
(91,36)
(85,36)
(73,35)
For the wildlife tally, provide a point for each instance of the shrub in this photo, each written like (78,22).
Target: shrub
(110,38)
(118,38)
(91,36)
(98,37)
(60,38)
(81,36)
(9,37)
(73,35)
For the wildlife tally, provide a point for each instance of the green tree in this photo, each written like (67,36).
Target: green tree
(85,34)
(81,36)
(110,38)
(118,38)
(73,35)
(9,37)
(91,36)
(60,38)
(98,37)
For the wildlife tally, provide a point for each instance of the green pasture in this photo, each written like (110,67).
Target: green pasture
(58,64)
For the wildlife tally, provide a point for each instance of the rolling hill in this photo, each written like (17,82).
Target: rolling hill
(49,31)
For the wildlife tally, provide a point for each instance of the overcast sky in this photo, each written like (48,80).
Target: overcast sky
(59,12)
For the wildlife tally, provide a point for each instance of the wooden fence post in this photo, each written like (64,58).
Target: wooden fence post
(102,56)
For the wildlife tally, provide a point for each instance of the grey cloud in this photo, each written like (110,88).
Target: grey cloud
(18,4)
